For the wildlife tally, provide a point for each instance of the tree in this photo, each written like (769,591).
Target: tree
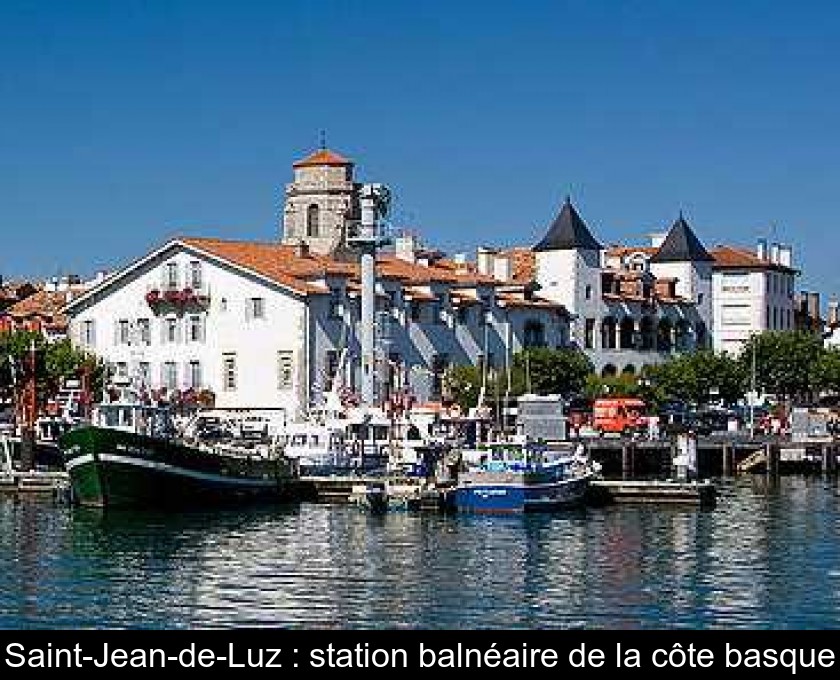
(553,371)
(787,363)
(54,364)
(828,370)
(540,370)
(698,376)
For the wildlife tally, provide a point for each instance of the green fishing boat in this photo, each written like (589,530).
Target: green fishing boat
(130,455)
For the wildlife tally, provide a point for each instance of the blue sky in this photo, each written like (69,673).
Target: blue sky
(125,123)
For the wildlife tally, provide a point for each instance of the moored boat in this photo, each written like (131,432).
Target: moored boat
(130,455)
(518,477)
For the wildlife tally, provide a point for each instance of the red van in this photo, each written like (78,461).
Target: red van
(620,415)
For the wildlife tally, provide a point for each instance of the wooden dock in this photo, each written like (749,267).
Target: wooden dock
(54,483)
(701,493)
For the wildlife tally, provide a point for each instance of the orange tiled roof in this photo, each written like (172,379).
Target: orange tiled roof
(623,251)
(524,264)
(322,157)
(533,303)
(732,257)
(284,265)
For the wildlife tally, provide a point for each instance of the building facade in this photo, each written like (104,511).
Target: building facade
(273,325)
(630,307)
(753,292)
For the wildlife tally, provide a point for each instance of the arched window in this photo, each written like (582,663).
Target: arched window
(534,335)
(609,371)
(312,220)
(629,369)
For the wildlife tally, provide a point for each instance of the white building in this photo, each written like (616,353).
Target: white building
(630,306)
(263,325)
(752,292)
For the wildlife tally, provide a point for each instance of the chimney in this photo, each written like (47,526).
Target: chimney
(484,260)
(406,247)
(833,312)
(802,302)
(503,267)
(814,305)
(774,253)
(657,239)
(786,256)
(761,249)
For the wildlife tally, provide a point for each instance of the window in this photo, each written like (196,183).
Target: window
(255,308)
(439,364)
(313,220)
(89,332)
(767,317)
(463,315)
(123,332)
(196,281)
(484,311)
(194,377)
(229,372)
(144,331)
(699,298)
(169,375)
(170,330)
(330,368)
(735,315)
(588,292)
(122,369)
(775,317)
(285,370)
(416,312)
(195,328)
(336,308)
(171,280)
(589,334)
(534,334)
(144,373)
(437,311)
(223,305)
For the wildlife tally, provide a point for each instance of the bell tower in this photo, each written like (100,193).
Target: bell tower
(320,202)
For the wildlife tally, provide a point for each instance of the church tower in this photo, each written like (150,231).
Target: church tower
(320,202)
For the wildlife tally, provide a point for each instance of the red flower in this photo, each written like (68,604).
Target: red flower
(153,296)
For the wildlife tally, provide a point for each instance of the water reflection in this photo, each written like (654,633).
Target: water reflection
(751,562)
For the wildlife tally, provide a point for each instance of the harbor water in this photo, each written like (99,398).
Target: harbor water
(768,556)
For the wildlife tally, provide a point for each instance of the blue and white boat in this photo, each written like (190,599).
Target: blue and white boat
(519,477)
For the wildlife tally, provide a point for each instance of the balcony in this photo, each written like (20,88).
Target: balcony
(164,298)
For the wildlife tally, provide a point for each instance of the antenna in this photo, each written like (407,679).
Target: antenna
(322,140)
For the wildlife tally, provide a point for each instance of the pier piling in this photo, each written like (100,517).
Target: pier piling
(627,451)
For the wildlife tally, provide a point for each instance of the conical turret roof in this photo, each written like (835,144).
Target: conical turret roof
(568,232)
(681,245)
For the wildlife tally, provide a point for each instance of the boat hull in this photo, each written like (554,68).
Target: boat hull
(109,468)
(494,495)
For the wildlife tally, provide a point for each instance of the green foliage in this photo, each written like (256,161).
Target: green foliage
(787,363)
(541,371)
(698,377)
(623,385)
(54,363)
(553,371)
(828,370)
